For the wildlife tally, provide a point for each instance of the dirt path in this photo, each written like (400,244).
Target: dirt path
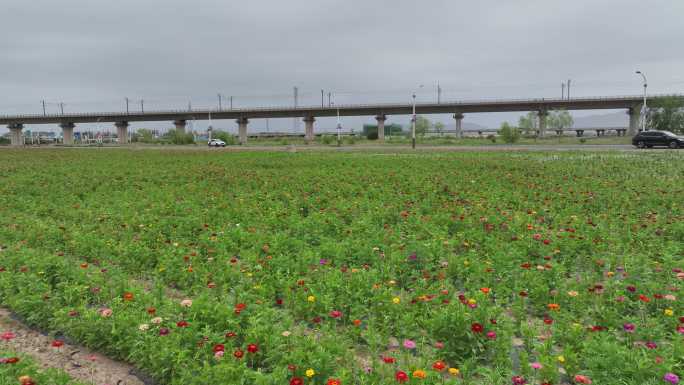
(80,363)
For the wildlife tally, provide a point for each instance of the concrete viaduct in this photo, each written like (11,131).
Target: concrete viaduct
(632,104)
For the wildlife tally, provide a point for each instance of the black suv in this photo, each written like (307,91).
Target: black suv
(657,138)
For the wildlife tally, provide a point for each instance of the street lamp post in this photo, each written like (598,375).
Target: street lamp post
(643,108)
(413,121)
(339,129)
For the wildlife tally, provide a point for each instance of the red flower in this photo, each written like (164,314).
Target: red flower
(548,321)
(644,298)
(230,335)
(240,306)
(57,343)
(219,348)
(164,332)
(238,354)
(523,294)
(182,324)
(12,360)
(401,376)
(336,314)
(334,381)
(476,328)
(252,348)
(291,367)
(151,310)
(279,301)
(439,366)
(296,381)
(388,360)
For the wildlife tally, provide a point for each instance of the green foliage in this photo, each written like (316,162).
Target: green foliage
(559,119)
(423,125)
(179,137)
(327,139)
(370,131)
(667,114)
(528,122)
(439,127)
(145,136)
(25,366)
(509,133)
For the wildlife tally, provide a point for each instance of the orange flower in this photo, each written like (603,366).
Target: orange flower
(357,322)
(419,374)
(128,296)
(553,306)
(485,290)
(439,366)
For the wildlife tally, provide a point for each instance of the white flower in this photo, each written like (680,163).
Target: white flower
(144,327)
(157,320)
(286,333)
(186,303)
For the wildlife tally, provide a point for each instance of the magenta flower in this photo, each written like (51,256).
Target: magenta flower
(408,344)
(7,336)
(491,335)
(628,327)
(671,378)
(164,331)
(536,365)
(518,380)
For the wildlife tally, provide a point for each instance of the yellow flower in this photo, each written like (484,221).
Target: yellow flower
(392,282)
(573,293)
(669,312)
(466,263)
(472,301)
(310,372)
(561,359)
(419,373)
(610,274)
(396,300)
(454,371)
(311,298)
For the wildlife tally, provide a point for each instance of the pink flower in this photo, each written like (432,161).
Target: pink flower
(491,335)
(106,312)
(7,336)
(439,345)
(629,328)
(408,344)
(218,355)
(580,379)
(536,365)
(671,378)
(336,314)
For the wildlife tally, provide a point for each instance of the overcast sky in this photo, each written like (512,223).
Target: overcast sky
(91,54)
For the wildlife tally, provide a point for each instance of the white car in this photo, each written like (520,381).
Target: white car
(217,143)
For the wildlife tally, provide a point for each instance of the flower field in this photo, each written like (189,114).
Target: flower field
(358,268)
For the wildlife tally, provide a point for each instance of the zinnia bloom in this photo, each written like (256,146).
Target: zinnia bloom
(238,354)
(252,348)
(219,348)
(518,380)
(57,343)
(580,379)
(310,372)
(334,381)
(296,381)
(186,303)
(164,331)
(408,344)
(476,327)
(671,378)
(401,376)
(182,324)
(388,360)
(419,373)
(128,296)
(336,314)
(628,327)
(7,336)
(439,366)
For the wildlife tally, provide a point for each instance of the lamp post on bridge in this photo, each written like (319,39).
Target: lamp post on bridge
(643,108)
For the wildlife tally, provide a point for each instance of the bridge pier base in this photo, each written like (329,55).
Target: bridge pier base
(122,132)
(381,127)
(600,132)
(309,129)
(67,133)
(579,133)
(559,132)
(180,126)
(16,139)
(459,127)
(634,119)
(542,122)
(242,130)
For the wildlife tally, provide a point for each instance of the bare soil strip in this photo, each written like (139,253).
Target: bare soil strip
(79,362)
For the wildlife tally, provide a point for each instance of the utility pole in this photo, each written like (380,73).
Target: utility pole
(569,80)
(126,105)
(189,105)
(329,102)
(562,90)
(322,99)
(142,106)
(44,112)
(61,107)
(439,94)
(220,106)
(231,102)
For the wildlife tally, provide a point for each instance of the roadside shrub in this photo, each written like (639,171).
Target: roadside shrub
(327,139)
(491,138)
(225,136)
(177,137)
(350,139)
(508,133)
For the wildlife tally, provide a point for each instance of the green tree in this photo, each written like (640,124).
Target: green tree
(528,122)
(559,119)
(439,127)
(666,113)
(423,124)
(146,136)
(509,133)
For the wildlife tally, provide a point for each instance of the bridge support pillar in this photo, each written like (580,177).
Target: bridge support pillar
(180,126)
(122,132)
(459,127)
(242,130)
(15,134)
(381,127)
(68,133)
(542,114)
(634,119)
(309,129)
